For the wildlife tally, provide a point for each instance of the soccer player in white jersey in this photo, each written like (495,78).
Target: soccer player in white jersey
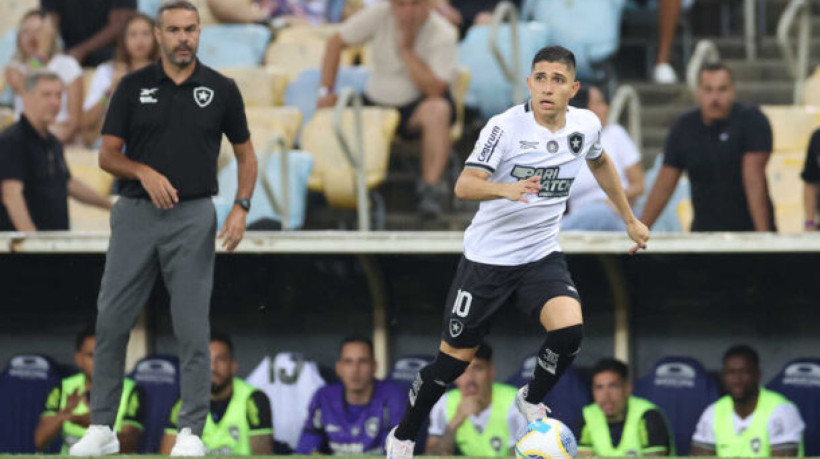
(521,170)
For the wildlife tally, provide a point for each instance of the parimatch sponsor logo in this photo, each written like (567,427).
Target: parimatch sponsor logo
(551,185)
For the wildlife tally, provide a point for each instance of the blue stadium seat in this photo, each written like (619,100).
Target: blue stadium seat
(148,7)
(158,375)
(301,165)
(566,400)
(799,381)
(668,221)
(24,385)
(590,28)
(682,388)
(301,92)
(335,9)
(233,45)
(8,46)
(489,91)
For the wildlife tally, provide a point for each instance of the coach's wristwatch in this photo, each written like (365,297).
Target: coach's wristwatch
(244,203)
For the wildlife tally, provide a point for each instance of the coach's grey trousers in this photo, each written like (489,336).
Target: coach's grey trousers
(179,244)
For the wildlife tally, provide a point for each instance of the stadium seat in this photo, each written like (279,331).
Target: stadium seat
(566,400)
(8,46)
(458,90)
(811,89)
(799,381)
(590,28)
(489,91)
(83,164)
(205,16)
(88,77)
(301,91)
(11,11)
(24,385)
(233,45)
(792,126)
(158,375)
(148,7)
(406,367)
(786,190)
(682,388)
(260,86)
(332,173)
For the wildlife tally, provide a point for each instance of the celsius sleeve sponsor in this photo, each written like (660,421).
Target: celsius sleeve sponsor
(551,185)
(490,144)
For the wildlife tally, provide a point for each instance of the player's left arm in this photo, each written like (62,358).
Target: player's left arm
(260,420)
(603,169)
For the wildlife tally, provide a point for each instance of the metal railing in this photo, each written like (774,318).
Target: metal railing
(277,145)
(798,65)
(355,159)
(706,51)
(512,72)
(750,27)
(626,98)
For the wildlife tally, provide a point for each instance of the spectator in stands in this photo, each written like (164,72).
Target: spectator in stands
(588,207)
(811,180)
(136,49)
(66,411)
(723,146)
(668,16)
(90,29)
(240,421)
(619,424)
(414,61)
(466,13)
(34,180)
(750,421)
(38,47)
(279,13)
(352,417)
(478,418)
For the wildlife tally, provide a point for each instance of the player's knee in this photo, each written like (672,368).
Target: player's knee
(566,340)
(445,369)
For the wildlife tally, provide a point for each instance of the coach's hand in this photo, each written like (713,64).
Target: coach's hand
(519,190)
(639,233)
(233,230)
(162,193)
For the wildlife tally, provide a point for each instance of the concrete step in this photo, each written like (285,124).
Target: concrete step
(763,69)
(757,92)
(662,115)
(735,47)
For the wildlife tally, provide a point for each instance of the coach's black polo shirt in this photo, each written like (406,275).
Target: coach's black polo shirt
(176,130)
(712,156)
(38,162)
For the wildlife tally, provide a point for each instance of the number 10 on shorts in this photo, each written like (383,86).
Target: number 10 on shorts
(462,306)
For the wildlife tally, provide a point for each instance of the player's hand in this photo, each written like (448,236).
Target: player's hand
(73,400)
(233,230)
(519,190)
(162,193)
(468,407)
(639,233)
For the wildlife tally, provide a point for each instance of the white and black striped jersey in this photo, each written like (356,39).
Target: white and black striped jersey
(513,146)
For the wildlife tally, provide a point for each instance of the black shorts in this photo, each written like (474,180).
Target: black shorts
(480,290)
(406,112)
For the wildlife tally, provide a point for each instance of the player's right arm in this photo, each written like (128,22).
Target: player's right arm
(475,185)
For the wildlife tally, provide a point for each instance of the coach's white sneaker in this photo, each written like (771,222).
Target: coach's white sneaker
(97,441)
(188,444)
(398,449)
(531,411)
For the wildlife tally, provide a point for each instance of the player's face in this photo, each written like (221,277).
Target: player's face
(716,94)
(178,35)
(551,85)
(740,377)
(43,101)
(477,380)
(139,39)
(610,392)
(597,104)
(84,358)
(223,366)
(356,367)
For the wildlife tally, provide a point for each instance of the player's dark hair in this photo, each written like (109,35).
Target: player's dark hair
(715,67)
(224,338)
(86,332)
(613,365)
(484,352)
(743,350)
(357,339)
(555,54)
(176,5)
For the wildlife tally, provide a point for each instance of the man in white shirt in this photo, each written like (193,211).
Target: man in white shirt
(588,208)
(521,170)
(750,421)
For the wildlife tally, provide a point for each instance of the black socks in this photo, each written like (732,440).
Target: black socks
(554,357)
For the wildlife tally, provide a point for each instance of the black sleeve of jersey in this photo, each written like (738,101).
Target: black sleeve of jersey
(234,121)
(757,133)
(119,112)
(12,159)
(657,430)
(811,168)
(263,419)
(135,409)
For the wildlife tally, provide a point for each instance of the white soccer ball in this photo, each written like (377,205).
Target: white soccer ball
(547,438)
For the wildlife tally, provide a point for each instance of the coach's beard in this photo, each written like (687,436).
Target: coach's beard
(181,62)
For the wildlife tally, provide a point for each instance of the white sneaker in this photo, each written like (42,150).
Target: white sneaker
(97,441)
(398,449)
(188,444)
(664,74)
(531,411)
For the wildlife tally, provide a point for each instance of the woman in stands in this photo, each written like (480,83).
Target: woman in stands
(136,49)
(38,47)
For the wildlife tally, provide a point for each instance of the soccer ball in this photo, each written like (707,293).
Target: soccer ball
(547,438)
